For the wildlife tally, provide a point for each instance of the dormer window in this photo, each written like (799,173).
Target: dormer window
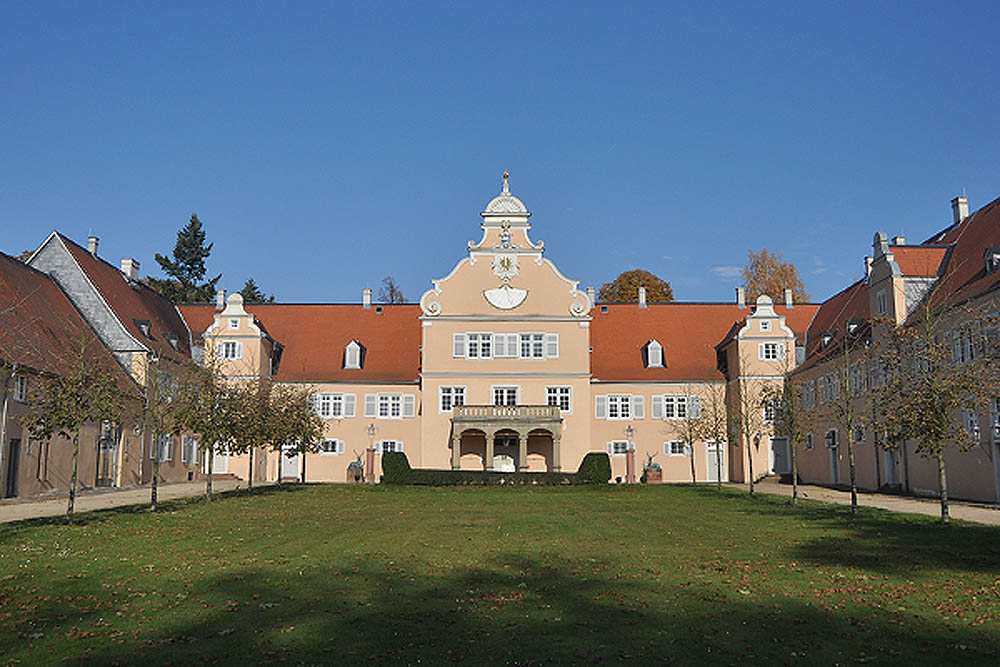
(654,354)
(173,340)
(992,257)
(765,325)
(825,339)
(144,327)
(353,355)
(234,323)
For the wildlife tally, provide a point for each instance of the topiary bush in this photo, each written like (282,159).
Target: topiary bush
(396,468)
(594,469)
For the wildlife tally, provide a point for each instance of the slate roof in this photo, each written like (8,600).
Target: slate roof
(833,315)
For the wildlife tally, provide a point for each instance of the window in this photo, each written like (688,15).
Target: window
(809,441)
(487,345)
(675,407)
(619,447)
(383,446)
(857,379)
(331,447)
(189,449)
(654,354)
(390,406)
(532,346)
(829,388)
(480,346)
(458,343)
(334,406)
(231,349)
(505,395)
(768,407)
(450,397)
(770,351)
(765,325)
(619,406)
(808,396)
(559,396)
(352,355)
(505,346)
(234,324)
(859,433)
(881,303)
(21,388)
(675,448)
(831,438)
(165,448)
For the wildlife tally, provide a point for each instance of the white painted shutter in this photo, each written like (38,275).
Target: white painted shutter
(552,346)
(371,405)
(611,448)
(459,345)
(694,407)
(340,446)
(239,350)
(350,405)
(499,346)
(601,408)
(409,405)
(638,407)
(781,351)
(760,351)
(399,445)
(513,345)
(657,407)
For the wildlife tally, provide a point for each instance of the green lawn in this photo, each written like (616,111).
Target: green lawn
(319,574)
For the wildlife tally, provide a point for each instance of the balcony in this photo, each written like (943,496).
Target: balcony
(506,413)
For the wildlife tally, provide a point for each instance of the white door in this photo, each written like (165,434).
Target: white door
(289,464)
(891,467)
(781,462)
(714,467)
(220,462)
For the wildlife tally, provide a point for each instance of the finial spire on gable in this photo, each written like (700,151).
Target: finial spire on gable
(506,188)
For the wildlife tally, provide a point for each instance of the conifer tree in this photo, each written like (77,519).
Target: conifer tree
(186,270)
(252,293)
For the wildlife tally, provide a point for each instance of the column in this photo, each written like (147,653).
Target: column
(556,461)
(522,451)
(456,451)
(489,450)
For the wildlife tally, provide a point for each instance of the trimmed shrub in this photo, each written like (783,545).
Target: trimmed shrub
(395,468)
(594,469)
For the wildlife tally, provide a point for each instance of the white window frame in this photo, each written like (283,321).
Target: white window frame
(532,345)
(234,323)
(675,448)
(328,444)
(506,389)
(654,354)
(352,355)
(164,447)
(393,445)
(554,395)
(479,345)
(881,303)
(767,411)
(619,406)
(770,351)
(21,388)
(619,447)
(231,349)
(765,325)
(452,395)
(189,450)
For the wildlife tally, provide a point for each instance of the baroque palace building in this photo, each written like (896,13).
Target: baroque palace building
(504,364)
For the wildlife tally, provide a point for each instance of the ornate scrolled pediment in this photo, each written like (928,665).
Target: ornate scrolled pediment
(505,297)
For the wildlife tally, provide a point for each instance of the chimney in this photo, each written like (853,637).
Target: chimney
(960,208)
(92,245)
(868,266)
(220,299)
(642,296)
(366,297)
(130,268)
(788,298)
(898,240)
(741,297)
(592,295)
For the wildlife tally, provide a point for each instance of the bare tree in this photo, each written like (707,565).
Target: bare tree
(747,413)
(714,421)
(210,407)
(389,292)
(687,425)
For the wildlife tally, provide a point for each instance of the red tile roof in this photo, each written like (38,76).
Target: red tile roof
(131,302)
(832,317)
(315,335)
(919,261)
(688,332)
(39,327)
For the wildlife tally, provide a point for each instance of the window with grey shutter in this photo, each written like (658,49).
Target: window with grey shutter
(694,407)
(350,403)
(657,409)
(552,346)
(409,405)
(371,405)
(638,407)
(459,345)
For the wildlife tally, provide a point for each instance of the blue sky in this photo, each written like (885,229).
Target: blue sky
(326,145)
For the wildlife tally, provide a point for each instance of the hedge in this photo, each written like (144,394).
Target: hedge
(595,468)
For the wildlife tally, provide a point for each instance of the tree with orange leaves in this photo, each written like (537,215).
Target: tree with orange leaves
(768,273)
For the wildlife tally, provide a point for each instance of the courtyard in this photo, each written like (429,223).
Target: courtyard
(323,573)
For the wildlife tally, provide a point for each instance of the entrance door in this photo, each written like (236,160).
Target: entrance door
(715,467)
(106,451)
(220,462)
(834,465)
(996,465)
(891,467)
(781,462)
(13,466)
(289,464)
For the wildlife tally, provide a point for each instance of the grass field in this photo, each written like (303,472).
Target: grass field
(321,574)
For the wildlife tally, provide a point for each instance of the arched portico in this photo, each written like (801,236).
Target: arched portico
(507,425)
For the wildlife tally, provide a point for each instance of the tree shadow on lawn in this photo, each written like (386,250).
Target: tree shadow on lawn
(518,609)
(881,540)
(95,517)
